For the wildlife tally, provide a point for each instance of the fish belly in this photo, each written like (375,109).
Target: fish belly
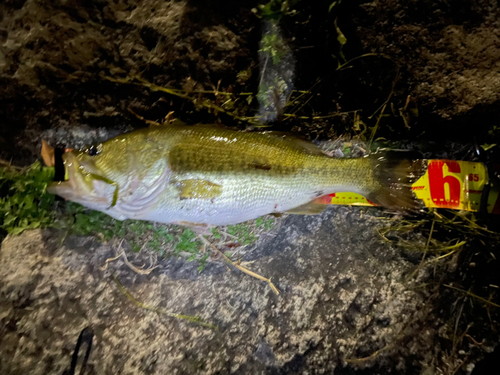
(243,198)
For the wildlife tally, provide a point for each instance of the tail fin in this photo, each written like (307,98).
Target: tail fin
(395,176)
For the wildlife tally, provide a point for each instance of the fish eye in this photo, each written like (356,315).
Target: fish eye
(93,150)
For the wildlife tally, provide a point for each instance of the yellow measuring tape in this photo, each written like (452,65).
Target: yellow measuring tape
(445,184)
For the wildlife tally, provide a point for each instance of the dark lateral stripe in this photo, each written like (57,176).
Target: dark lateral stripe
(263,167)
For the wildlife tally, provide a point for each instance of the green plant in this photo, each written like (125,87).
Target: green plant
(203,263)
(86,222)
(243,233)
(24,202)
(160,236)
(188,244)
(216,233)
(274,46)
(267,223)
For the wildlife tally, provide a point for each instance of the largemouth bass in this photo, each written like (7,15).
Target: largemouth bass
(205,175)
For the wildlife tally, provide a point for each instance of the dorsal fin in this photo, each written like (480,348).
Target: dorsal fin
(297,143)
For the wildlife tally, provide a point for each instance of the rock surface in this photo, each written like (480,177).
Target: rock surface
(343,297)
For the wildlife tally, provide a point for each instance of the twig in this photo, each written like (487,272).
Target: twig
(365,359)
(474,341)
(139,81)
(383,106)
(105,267)
(9,165)
(484,300)
(347,63)
(138,270)
(292,115)
(193,319)
(149,122)
(227,234)
(241,268)
(425,251)
(454,248)
(456,327)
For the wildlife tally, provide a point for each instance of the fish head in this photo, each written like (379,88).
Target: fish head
(92,177)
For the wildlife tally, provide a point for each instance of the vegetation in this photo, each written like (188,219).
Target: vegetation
(24,204)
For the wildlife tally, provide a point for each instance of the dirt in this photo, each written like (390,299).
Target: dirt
(346,304)
(54,54)
(448,56)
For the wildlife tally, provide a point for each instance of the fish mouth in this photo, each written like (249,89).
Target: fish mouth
(77,185)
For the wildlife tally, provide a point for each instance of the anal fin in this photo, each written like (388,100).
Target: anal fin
(312,208)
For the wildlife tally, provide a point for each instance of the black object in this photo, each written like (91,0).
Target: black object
(59,165)
(86,337)
(93,151)
(483,206)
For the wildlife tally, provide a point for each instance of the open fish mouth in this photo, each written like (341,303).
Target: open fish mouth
(79,183)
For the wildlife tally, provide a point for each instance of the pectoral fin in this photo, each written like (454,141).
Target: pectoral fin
(201,189)
(311,208)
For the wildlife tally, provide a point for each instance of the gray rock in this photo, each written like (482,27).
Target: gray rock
(343,296)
